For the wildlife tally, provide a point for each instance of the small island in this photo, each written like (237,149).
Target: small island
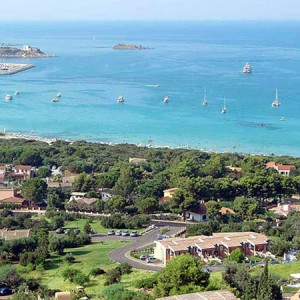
(25,52)
(129,47)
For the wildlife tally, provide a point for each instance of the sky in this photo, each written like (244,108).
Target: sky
(27,10)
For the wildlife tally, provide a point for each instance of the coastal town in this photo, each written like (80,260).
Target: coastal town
(56,206)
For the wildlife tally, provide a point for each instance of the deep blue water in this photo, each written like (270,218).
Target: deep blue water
(186,58)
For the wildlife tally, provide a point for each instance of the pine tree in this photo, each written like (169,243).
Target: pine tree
(264,291)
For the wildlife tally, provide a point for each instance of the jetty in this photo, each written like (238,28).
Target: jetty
(10,68)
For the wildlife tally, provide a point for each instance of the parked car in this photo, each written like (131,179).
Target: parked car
(151,259)
(162,237)
(2,285)
(118,232)
(67,231)
(110,232)
(5,292)
(125,233)
(143,257)
(59,231)
(133,233)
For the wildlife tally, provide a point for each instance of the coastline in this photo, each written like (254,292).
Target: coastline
(50,140)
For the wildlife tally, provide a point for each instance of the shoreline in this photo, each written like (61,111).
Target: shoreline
(50,140)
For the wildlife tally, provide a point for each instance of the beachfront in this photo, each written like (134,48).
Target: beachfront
(10,68)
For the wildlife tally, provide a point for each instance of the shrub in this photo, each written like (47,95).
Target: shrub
(97,271)
(69,258)
(81,279)
(112,276)
(147,283)
(124,268)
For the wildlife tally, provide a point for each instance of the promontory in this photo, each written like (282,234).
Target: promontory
(25,52)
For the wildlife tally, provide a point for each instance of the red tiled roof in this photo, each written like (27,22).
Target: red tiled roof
(13,200)
(271,164)
(23,167)
(165,198)
(285,167)
(226,210)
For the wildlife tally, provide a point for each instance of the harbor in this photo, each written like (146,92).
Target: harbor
(10,68)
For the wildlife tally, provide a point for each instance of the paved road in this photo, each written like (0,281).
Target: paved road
(123,254)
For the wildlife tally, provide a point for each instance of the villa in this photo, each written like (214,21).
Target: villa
(168,194)
(9,235)
(218,245)
(12,196)
(280,168)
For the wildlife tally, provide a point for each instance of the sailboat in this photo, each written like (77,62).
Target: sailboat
(276,102)
(120,99)
(17,92)
(8,97)
(205,102)
(224,110)
(166,99)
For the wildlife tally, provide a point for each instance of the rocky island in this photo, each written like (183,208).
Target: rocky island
(25,52)
(129,47)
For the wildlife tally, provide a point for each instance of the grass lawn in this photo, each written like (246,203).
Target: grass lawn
(95,224)
(216,282)
(87,258)
(282,270)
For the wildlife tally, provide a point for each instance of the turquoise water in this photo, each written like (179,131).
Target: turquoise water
(186,58)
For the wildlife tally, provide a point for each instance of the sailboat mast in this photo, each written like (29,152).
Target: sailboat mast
(276,95)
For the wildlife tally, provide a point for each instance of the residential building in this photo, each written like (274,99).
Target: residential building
(105,194)
(218,245)
(198,214)
(212,295)
(280,168)
(12,196)
(168,194)
(285,209)
(77,196)
(9,235)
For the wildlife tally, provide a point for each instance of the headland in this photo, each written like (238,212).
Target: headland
(26,52)
(10,68)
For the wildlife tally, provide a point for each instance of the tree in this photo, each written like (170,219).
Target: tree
(147,205)
(152,188)
(117,203)
(43,172)
(112,276)
(213,209)
(34,189)
(125,183)
(264,289)
(237,256)
(87,228)
(181,273)
(10,276)
(57,244)
(246,208)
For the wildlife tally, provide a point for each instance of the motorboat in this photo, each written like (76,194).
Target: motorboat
(8,97)
(166,99)
(247,69)
(121,99)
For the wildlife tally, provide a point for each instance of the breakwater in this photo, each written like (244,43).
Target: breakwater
(10,68)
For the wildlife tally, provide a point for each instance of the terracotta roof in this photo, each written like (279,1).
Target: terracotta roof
(271,164)
(165,198)
(89,201)
(23,167)
(213,295)
(226,210)
(13,200)
(285,167)
(9,235)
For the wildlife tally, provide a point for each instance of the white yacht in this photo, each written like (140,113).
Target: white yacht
(276,102)
(58,95)
(205,102)
(166,99)
(8,97)
(247,69)
(55,99)
(224,110)
(120,99)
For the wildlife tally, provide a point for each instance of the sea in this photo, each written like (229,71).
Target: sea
(184,59)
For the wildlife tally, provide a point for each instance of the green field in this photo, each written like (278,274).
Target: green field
(87,258)
(95,224)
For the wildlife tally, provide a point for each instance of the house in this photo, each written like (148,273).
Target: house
(77,196)
(234,169)
(280,168)
(12,196)
(25,170)
(212,295)
(284,209)
(63,296)
(198,214)
(218,245)
(168,194)
(105,194)
(9,235)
